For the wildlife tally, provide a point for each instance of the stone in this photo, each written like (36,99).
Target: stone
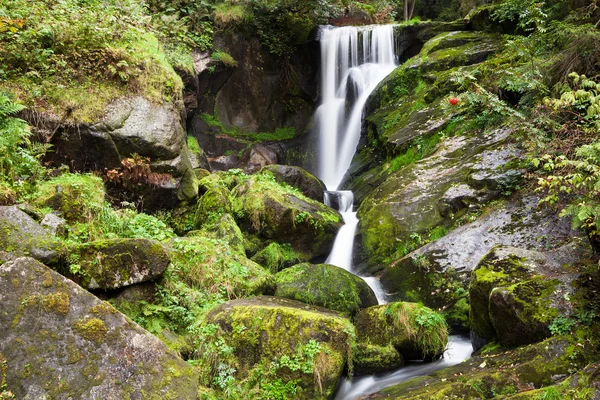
(271,211)
(371,359)
(308,184)
(276,257)
(116,263)
(62,342)
(325,286)
(258,157)
(401,325)
(273,328)
(56,225)
(22,235)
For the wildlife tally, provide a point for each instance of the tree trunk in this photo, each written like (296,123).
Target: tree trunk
(406,10)
(412,9)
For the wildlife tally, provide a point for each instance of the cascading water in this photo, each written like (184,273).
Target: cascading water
(354,62)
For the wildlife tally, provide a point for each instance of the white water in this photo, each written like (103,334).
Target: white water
(459,349)
(354,61)
(349,73)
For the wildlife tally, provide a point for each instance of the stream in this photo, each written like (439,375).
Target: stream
(353,62)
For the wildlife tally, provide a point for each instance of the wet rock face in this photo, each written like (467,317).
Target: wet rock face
(22,235)
(113,264)
(62,342)
(414,199)
(325,286)
(275,327)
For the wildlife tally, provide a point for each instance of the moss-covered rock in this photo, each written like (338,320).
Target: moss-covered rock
(215,267)
(499,372)
(62,342)
(275,211)
(276,257)
(21,235)
(325,286)
(372,359)
(415,331)
(308,184)
(224,229)
(305,345)
(112,264)
(76,197)
(515,294)
(212,205)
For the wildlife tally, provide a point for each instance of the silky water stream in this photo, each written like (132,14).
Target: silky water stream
(353,62)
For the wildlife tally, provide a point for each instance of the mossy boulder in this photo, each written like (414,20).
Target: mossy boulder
(498,372)
(372,359)
(212,205)
(271,331)
(276,257)
(76,197)
(215,267)
(326,286)
(274,211)
(226,229)
(22,235)
(308,184)
(62,342)
(415,331)
(115,263)
(515,294)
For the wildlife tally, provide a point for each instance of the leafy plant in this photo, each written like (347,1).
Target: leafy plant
(561,325)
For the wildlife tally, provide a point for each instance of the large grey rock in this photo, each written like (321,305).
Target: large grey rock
(56,224)
(22,235)
(411,200)
(61,342)
(116,263)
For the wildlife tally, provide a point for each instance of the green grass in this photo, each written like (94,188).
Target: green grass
(420,149)
(279,134)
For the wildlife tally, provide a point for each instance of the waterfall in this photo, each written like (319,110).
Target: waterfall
(353,62)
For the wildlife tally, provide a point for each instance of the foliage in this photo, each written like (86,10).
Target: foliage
(225,58)
(5,394)
(561,325)
(19,165)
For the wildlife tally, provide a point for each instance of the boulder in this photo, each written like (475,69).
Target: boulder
(22,235)
(224,229)
(276,257)
(414,330)
(515,294)
(116,263)
(257,157)
(56,225)
(214,203)
(438,273)
(263,329)
(325,286)
(308,184)
(60,341)
(272,211)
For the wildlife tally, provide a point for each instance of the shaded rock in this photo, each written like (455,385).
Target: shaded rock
(111,264)
(515,294)
(274,327)
(276,257)
(325,286)
(22,235)
(458,198)
(214,203)
(498,372)
(223,163)
(258,157)
(452,49)
(224,229)
(56,225)
(371,359)
(401,325)
(297,177)
(145,291)
(53,331)
(264,207)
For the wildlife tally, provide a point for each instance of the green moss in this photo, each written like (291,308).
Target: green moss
(276,257)
(92,329)
(57,302)
(369,359)
(250,137)
(77,197)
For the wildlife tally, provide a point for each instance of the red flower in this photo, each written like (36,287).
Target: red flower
(453,101)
